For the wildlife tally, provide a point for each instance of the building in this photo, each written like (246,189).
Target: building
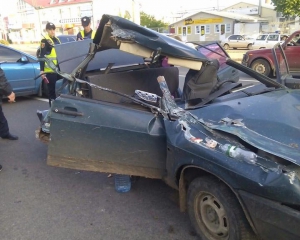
(276,21)
(241,18)
(27,22)
(215,25)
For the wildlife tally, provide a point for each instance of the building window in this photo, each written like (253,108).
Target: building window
(207,29)
(197,29)
(217,28)
(179,30)
(228,27)
(189,30)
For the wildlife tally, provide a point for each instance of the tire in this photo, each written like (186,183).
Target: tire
(250,46)
(215,212)
(261,66)
(226,46)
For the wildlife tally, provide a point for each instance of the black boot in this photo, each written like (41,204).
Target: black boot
(9,136)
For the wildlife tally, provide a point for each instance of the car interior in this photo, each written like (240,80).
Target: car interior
(201,84)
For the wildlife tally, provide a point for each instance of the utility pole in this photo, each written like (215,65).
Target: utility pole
(37,8)
(259,8)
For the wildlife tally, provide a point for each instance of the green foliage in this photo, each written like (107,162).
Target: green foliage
(150,22)
(4,42)
(287,7)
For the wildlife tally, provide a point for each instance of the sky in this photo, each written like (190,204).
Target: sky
(164,8)
(161,8)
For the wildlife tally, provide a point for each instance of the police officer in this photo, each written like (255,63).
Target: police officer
(48,50)
(5,89)
(87,32)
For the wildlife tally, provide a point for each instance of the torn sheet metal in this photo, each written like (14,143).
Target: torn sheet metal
(125,29)
(273,126)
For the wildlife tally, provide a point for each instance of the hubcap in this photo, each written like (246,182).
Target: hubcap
(260,68)
(211,216)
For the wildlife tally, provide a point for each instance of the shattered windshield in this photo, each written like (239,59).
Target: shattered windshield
(221,57)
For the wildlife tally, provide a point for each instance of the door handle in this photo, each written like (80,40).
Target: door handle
(67,112)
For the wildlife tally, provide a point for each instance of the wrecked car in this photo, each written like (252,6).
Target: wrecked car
(231,152)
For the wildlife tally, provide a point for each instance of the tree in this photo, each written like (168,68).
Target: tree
(287,7)
(150,22)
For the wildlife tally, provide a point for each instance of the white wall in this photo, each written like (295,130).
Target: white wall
(246,28)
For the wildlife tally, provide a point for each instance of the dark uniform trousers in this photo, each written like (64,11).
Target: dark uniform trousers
(3,124)
(52,78)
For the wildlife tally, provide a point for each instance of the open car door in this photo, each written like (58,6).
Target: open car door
(99,136)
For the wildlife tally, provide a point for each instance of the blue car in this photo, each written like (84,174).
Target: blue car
(21,70)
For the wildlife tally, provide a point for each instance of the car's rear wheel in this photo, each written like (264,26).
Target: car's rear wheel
(250,46)
(215,212)
(261,66)
(226,46)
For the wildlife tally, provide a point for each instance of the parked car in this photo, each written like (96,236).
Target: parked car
(266,40)
(236,41)
(262,60)
(232,153)
(22,71)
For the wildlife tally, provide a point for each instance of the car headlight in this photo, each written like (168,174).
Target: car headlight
(245,57)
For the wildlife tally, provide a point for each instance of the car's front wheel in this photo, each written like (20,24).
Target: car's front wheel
(226,46)
(250,46)
(261,66)
(215,212)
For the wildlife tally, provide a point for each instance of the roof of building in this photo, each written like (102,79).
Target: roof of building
(250,4)
(236,16)
(53,3)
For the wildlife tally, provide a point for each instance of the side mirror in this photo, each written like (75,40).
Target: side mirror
(24,59)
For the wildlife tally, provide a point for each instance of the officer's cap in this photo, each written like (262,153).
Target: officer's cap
(85,21)
(49,26)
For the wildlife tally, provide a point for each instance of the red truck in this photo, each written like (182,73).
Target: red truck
(262,60)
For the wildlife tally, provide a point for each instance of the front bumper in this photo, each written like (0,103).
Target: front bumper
(245,60)
(271,219)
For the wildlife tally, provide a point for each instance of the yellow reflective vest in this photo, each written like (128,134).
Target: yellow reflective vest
(92,36)
(51,56)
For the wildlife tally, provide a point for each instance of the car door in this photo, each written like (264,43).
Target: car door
(240,42)
(232,41)
(292,55)
(19,73)
(99,136)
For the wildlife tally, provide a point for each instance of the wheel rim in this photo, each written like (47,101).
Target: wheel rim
(211,216)
(260,68)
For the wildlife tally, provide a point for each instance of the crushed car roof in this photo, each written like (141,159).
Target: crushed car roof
(123,30)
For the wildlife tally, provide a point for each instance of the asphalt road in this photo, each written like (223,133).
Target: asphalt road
(39,202)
